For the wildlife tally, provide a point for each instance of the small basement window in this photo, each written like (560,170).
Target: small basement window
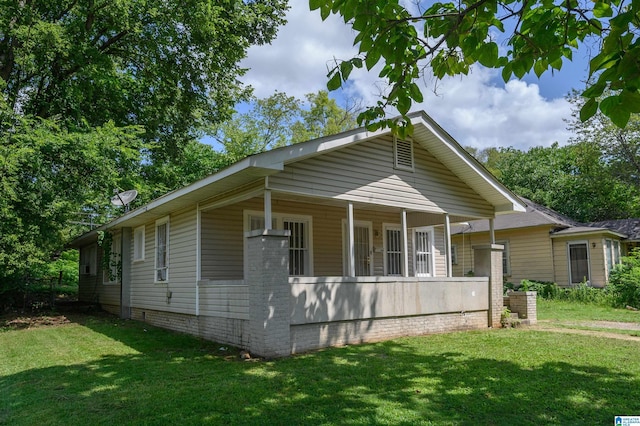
(403,154)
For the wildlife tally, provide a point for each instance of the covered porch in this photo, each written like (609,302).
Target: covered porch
(307,272)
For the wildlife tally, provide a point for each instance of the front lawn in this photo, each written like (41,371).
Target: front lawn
(101,370)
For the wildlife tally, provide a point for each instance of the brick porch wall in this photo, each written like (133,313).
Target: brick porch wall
(314,336)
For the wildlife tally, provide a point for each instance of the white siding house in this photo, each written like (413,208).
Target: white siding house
(337,240)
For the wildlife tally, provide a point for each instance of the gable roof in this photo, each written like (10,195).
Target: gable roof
(539,215)
(628,227)
(535,215)
(427,133)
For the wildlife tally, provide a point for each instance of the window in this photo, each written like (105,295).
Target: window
(506,265)
(612,254)
(88,260)
(138,244)
(423,252)
(112,274)
(403,154)
(454,254)
(298,247)
(578,254)
(300,258)
(392,250)
(162,250)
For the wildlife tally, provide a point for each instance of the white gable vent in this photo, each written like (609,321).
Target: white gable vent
(403,154)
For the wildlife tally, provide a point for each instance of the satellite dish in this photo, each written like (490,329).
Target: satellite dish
(124,198)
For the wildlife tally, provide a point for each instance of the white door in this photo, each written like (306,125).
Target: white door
(363,250)
(423,252)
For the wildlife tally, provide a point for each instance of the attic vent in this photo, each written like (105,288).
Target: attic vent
(403,154)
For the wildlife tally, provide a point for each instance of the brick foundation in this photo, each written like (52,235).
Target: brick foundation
(314,336)
(222,330)
(524,304)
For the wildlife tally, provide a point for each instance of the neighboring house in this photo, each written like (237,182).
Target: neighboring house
(544,245)
(338,240)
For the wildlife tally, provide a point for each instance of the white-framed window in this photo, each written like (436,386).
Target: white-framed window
(454,254)
(612,254)
(138,244)
(362,245)
(162,251)
(392,250)
(111,275)
(300,238)
(578,255)
(403,154)
(89,260)
(506,263)
(423,260)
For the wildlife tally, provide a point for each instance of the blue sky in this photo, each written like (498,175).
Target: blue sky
(479,110)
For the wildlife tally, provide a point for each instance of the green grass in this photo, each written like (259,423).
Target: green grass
(559,310)
(104,371)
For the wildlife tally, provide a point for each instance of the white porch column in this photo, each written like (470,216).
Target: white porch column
(405,245)
(198,256)
(351,254)
(492,232)
(267,209)
(447,243)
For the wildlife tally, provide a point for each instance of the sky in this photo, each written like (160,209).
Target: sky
(478,110)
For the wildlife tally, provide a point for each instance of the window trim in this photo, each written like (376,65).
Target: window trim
(385,244)
(159,222)
(432,261)
(277,222)
(578,242)
(139,243)
(506,257)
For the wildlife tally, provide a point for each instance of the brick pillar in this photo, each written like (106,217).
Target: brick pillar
(269,293)
(488,263)
(524,304)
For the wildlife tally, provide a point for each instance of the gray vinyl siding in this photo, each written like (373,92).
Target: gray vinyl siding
(147,294)
(223,233)
(365,173)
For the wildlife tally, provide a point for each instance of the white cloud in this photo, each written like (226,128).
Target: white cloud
(478,109)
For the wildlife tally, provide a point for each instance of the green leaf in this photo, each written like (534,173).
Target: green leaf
(630,101)
(416,93)
(315,4)
(345,69)
(602,10)
(589,109)
(618,116)
(335,81)
(595,90)
(372,58)
(539,67)
(488,54)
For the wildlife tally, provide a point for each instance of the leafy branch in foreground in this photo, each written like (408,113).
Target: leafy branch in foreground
(446,38)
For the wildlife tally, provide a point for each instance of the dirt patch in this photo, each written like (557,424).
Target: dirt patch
(19,322)
(565,327)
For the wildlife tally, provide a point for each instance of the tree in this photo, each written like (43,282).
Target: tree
(573,180)
(620,146)
(281,120)
(168,66)
(47,175)
(451,36)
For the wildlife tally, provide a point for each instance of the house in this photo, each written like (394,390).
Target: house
(338,240)
(544,245)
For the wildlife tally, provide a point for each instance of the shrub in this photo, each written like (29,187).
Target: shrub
(545,289)
(624,281)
